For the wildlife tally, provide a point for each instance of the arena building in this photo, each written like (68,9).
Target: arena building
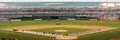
(18,11)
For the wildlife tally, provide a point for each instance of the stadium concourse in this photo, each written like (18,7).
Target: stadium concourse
(20,11)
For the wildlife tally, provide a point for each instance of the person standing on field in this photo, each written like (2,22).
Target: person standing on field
(58,23)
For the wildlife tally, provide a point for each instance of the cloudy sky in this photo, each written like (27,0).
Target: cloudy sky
(58,0)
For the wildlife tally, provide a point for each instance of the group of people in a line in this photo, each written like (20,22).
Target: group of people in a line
(40,33)
(54,34)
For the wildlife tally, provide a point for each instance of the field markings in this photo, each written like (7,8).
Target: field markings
(68,26)
(58,36)
(95,31)
(81,34)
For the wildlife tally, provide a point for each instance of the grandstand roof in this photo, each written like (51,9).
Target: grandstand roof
(51,3)
(34,4)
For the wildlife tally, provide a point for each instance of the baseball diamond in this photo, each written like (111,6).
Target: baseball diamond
(59,20)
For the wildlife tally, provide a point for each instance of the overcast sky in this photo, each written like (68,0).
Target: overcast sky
(58,0)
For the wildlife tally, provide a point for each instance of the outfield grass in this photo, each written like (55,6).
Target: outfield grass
(22,36)
(52,30)
(107,35)
(92,23)
(24,23)
(64,22)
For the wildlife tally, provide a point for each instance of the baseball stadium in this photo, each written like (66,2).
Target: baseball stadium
(59,21)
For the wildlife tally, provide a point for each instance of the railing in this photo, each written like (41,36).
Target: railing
(50,12)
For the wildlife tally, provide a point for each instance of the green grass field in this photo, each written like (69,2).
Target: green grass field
(22,36)
(107,35)
(52,30)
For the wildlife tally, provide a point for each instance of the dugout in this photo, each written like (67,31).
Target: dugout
(86,18)
(53,17)
(22,18)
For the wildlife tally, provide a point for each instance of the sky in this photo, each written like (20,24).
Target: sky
(58,0)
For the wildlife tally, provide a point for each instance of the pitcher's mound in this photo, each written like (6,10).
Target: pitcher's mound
(66,37)
(60,30)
